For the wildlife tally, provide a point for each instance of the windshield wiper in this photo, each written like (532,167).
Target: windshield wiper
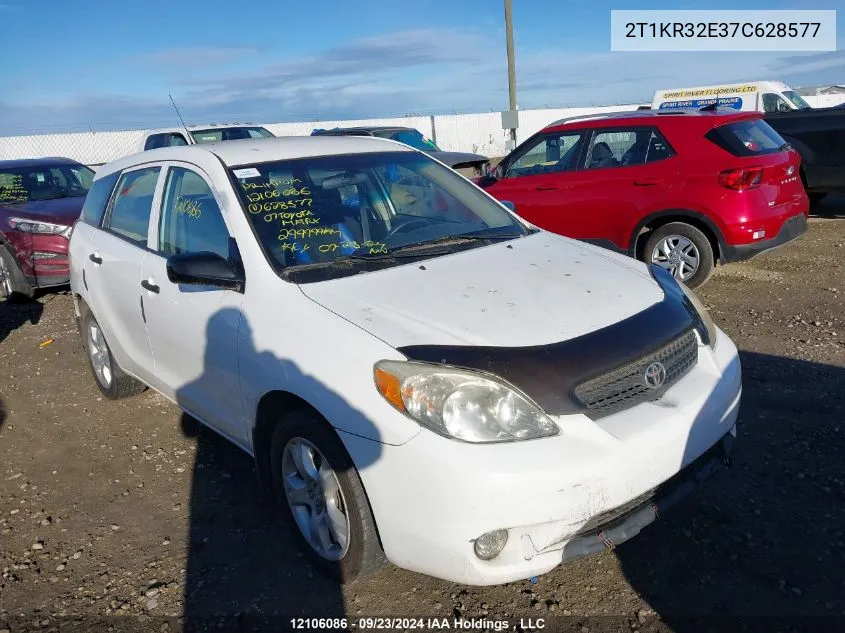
(465,237)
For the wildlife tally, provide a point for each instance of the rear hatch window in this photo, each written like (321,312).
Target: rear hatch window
(752,137)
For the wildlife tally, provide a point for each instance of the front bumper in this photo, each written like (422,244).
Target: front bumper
(791,229)
(593,486)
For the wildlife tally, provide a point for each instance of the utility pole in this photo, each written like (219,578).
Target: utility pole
(511,69)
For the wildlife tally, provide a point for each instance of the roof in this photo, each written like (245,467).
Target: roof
(37,162)
(194,128)
(647,117)
(262,150)
(364,128)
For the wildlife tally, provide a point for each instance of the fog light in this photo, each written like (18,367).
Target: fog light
(490,545)
(757,235)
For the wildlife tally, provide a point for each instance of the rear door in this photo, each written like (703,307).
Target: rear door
(193,330)
(537,178)
(115,274)
(628,173)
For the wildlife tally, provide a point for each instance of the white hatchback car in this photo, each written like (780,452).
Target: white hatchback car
(422,376)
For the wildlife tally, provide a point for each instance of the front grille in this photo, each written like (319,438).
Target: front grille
(626,386)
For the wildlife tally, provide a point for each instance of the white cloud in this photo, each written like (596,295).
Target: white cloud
(422,71)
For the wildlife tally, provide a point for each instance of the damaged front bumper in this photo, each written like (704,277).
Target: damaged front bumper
(618,525)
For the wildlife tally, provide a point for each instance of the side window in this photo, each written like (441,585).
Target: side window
(774,103)
(190,217)
(130,211)
(168,139)
(658,148)
(551,153)
(98,199)
(608,148)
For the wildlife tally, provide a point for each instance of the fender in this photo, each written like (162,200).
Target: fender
(680,213)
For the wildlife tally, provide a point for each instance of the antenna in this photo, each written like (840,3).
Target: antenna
(177,113)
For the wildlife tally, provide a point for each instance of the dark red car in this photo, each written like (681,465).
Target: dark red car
(682,189)
(40,199)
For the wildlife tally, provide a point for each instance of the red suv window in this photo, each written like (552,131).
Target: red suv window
(747,138)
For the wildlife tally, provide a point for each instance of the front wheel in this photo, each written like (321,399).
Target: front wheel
(683,250)
(323,499)
(13,284)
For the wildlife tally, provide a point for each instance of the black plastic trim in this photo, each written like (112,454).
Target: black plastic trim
(792,229)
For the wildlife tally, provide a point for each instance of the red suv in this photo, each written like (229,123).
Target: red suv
(40,199)
(681,189)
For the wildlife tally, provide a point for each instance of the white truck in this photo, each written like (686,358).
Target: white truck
(761,96)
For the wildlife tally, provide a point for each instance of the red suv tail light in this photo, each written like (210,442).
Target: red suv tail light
(741,179)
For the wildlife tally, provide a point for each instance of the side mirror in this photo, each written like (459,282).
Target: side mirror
(782,107)
(204,269)
(499,172)
(507,203)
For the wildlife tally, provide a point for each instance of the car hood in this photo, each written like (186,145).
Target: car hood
(458,159)
(534,290)
(64,211)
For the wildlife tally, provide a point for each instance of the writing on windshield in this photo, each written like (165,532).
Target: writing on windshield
(317,210)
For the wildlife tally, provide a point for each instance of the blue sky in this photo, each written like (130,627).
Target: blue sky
(111,65)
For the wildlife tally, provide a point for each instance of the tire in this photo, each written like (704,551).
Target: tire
(112,381)
(13,284)
(688,241)
(361,553)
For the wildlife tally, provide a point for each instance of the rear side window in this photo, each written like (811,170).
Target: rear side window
(130,211)
(98,199)
(747,138)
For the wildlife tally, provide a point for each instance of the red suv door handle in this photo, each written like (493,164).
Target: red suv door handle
(546,188)
(648,182)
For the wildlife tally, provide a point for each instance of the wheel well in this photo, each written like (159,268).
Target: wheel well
(272,407)
(663,220)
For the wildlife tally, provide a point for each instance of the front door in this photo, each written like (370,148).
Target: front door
(194,329)
(537,177)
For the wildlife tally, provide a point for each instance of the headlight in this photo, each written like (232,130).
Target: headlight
(41,228)
(708,336)
(461,404)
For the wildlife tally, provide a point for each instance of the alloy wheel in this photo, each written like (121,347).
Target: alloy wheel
(99,353)
(315,498)
(5,279)
(678,255)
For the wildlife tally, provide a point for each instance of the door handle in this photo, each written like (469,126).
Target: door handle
(146,285)
(546,188)
(95,259)
(648,182)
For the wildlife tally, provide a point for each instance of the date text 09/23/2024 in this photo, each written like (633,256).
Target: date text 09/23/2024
(409,624)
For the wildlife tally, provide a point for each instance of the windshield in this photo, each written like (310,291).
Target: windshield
(212,135)
(796,100)
(44,182)
(320,211)
(414,138)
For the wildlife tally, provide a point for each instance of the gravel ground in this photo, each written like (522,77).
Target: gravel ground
(127,515)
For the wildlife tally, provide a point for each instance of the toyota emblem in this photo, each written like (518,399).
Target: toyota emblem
(654,376)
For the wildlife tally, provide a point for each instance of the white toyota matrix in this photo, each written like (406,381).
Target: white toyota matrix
(423,377)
